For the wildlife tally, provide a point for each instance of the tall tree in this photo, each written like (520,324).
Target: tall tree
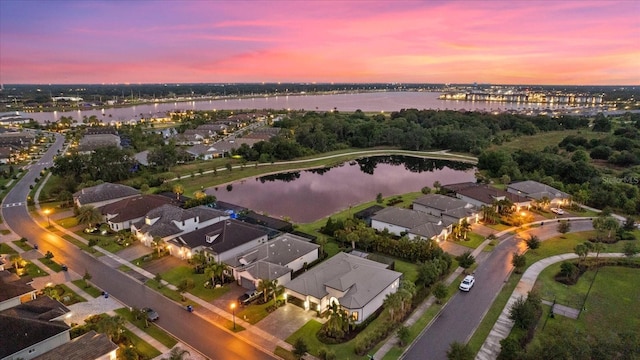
(89,215)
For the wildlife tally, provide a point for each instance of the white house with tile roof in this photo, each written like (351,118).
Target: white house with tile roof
(359,286)
(414,224)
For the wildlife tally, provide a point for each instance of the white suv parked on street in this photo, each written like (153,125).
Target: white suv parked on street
(467,283)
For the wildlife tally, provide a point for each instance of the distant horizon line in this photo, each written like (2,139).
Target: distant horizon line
(311,83)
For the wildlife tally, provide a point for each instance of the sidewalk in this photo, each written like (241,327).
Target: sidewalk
(501,329)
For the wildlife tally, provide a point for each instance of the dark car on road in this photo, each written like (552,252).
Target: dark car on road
(152,315)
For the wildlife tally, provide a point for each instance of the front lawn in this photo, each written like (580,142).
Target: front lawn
(88,288)
(50,264)
(472,241)
(142,347)
(154,331)
(177,274)
(64,294)
(68,222)
(6,249)
(171,294)
(24,245)
(33,270)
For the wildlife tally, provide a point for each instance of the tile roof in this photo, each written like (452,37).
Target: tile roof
(266,270)
(12,286)
(167,214)
(88,346)
(484,193)
(362,279)
(30,323)
(281,250)
(404,217)
(440,202)
(221,236)
(102,192)
(134,207)
(536,190)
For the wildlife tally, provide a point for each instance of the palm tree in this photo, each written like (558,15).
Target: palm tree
(178,189)
(544,202)
(489,214)
(215,270)
(16,259)
(177,353)
(89,215)
(112,326)
(158,243)
(465,227)
(264,286)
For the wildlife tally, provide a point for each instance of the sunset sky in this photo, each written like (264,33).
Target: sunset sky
(500,42)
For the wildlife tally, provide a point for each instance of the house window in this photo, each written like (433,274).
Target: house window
(354,316)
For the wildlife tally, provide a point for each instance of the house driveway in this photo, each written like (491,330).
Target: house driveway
(135,251)
(287,320)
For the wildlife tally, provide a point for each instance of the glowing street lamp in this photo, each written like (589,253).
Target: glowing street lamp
(233,309)
(47,212)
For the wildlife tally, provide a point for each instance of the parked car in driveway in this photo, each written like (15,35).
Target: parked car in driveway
(557,211)
(467,283)
(248,297)
(152,315)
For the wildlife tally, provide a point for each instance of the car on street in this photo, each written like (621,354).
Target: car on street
(64,267)
(467,283)
(152,315)
(557,211)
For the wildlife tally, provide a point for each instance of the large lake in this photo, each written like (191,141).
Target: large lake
(308,195)
(369,102)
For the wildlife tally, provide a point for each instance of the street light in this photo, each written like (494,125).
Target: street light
(233,310)
(47,212)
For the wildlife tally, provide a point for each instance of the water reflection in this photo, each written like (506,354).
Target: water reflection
(308,195)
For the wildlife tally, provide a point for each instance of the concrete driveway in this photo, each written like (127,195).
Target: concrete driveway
(287,320)
(163,264)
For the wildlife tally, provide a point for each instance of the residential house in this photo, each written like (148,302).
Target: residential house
(205,151)
(274,260)
(32,329)
(537,191)
(169,221)
(6,154)
(263,133)
(14,290)
(18,139)
(415,224)
(189,137)
(122,213)
(13,117)
(89,143)
(213,129)
(480,195)
(447,207)
(220,241)
(103,194)
(359,286)
(90,346)
(141,157)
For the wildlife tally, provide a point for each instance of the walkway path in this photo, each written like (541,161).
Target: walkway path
(501,329)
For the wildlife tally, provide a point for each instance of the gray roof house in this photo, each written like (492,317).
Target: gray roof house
(275,260)
(359,286)
(220,241)
(484,195)
(206,151)
(169,221)
(446,207)
(14,290)
(414,223)
(90,143)
(33,327)
(122,213)
(103,194)
(536,191)
(90,346)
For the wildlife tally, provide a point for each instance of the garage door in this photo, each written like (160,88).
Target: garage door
(247,283)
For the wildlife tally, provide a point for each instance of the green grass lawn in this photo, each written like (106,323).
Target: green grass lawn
(82,245)
(6,249)
(24,245)
(88,288)
(541,140)
(4,231)
(554,246)
(615,288)
(171,294)
(175,275)
(51,264)
(154,331)
(143,347)
(68,222)
(33,270)
(473,241)
(106,242)
(67,296)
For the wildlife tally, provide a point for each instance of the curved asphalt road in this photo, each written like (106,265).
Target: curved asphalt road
(191,329)
(464,311)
